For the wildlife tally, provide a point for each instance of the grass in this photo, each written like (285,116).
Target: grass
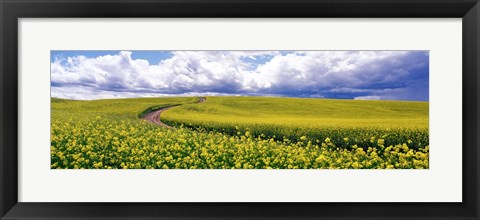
(131,109)
(305,112)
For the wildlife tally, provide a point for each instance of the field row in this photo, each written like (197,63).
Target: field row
(101,143)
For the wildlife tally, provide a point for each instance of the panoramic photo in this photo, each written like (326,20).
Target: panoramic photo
(239,109)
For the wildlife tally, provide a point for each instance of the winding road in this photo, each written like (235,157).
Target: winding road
(154,117)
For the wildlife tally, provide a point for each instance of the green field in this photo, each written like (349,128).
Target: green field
(239,132)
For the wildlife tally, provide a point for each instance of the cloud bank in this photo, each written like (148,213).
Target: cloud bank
(394,75)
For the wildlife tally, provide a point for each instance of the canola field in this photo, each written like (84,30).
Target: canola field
(240,133)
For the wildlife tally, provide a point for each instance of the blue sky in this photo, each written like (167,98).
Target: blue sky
(386,75)
(153,57)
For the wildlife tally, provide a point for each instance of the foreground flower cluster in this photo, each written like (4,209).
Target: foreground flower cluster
(104,141)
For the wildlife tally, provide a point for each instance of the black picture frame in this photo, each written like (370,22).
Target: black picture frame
(11,10)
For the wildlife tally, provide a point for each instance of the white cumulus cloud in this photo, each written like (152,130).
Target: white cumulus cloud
(337,74)
(368,97)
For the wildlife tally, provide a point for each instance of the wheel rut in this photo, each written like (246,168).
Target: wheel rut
(154,117)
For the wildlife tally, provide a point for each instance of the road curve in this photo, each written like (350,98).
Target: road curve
(154,117)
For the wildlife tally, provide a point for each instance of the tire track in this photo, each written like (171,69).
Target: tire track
(154,117)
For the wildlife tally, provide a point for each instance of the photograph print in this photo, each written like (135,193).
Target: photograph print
(137,109)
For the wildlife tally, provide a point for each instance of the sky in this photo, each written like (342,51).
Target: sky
(361,75)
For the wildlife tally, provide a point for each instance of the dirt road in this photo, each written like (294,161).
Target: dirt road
(154,117)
